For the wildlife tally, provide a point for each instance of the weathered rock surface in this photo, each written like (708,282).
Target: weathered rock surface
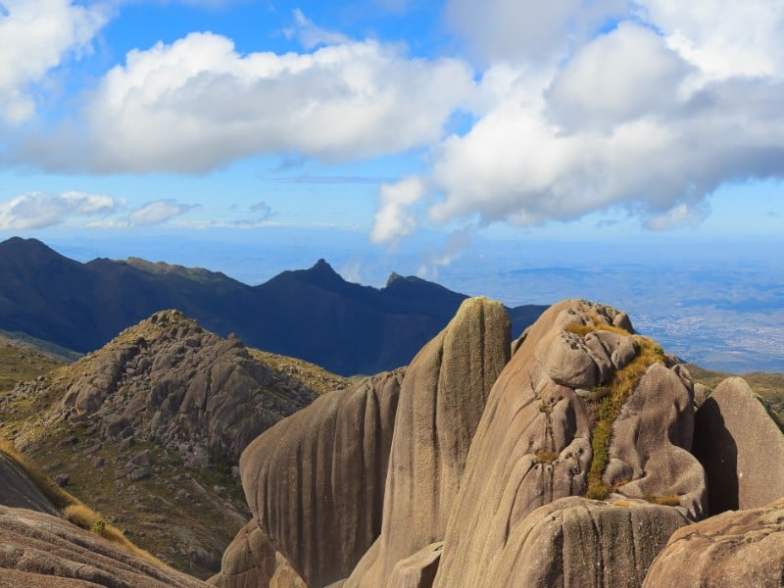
(579,543)
(442,400)
(743,549)
(535,442)
(741,448)
(169,381)
(418,570)
(250,561)
(18,491)
(315,481)
(39,550)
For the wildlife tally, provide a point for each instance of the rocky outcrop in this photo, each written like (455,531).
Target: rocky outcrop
(441,402)
(250,561)
(584,408)
(169,381)
(740,447)
(39,550)
(579,543)
(743,549)
(18,490)
(315,481)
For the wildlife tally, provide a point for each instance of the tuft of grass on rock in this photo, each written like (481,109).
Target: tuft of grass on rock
(609,406)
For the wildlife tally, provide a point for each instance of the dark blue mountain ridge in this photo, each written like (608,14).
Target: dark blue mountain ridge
(313,314)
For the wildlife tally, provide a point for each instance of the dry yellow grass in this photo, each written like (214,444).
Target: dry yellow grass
(609,405)
(664,500)
(74,510)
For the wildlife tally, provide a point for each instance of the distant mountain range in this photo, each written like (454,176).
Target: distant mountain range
(312,314)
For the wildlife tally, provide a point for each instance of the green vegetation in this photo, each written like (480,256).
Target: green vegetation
(607,406)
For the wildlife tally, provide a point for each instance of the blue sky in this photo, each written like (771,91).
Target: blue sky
(393,121)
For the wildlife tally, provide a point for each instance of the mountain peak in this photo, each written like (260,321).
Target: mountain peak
(19,245)
(393,277)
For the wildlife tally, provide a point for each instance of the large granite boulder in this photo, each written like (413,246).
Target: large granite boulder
(743,549)
(584,408)
(741,448)
(441,403)
(579,543)
(315,481)
(18,490)
(251,561)
(38,550)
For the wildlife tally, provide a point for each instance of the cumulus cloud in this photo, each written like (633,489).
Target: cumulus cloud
(394,218)
(198,104)
(528,31)
(650,116)
(37,210)
(37,36)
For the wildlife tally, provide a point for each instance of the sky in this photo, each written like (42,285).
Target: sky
(407,131)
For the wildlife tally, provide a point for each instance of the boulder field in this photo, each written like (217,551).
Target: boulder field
(578,456)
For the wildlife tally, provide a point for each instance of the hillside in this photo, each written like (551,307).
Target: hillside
(311,314)
(21,361)
(148,430)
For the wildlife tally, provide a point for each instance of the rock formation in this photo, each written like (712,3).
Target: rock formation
(743,549)
(741,448)
(315,481)
(584,408)
(579,543)
(169,381)
(42,551)
(441,402)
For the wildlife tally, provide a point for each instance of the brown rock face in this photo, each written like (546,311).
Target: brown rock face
(169,381)
(315,481)
(544,435)
(743,549)
(18,491)
(441,402)
(740,447)
(39,550)
(579,543)
(250,561)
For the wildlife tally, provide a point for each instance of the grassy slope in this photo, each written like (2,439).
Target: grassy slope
(174,513)
(19,362)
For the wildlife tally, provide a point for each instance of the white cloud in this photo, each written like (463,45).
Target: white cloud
(197,104)
(36,36)
(723,37)
(528,31)
(36,210)
(394,218)
(650,116)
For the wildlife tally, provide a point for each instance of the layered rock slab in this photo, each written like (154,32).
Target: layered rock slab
(42,550)
(441,402)
(741,448)
(579,372)
(315,481)
(742,549)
